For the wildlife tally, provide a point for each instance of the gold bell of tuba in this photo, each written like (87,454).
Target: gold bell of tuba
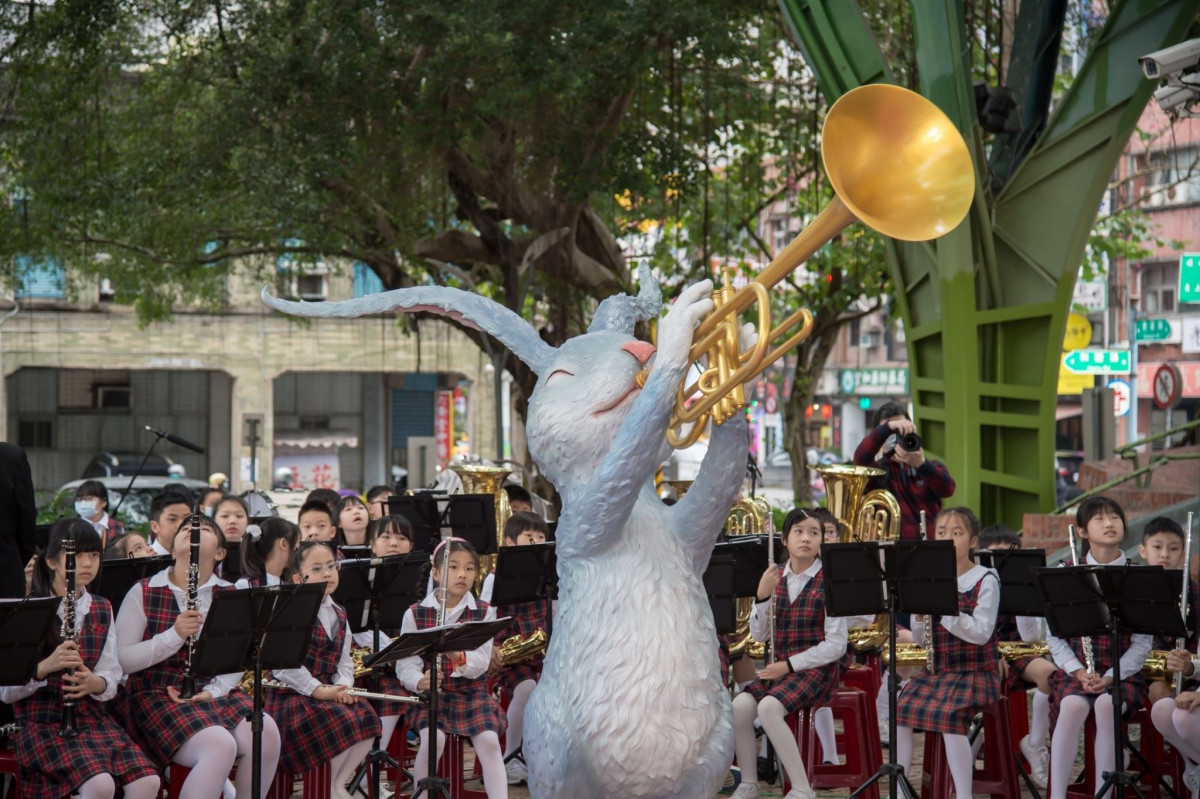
(897,164)
(478,478)
(520,648)
(746,517)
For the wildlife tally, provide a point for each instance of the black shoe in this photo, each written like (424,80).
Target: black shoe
(766,770)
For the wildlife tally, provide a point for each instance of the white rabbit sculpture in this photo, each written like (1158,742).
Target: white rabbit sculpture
(631,702)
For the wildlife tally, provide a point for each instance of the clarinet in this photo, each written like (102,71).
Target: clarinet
(67,729)
(929,654)
(193,590)
(1089,658)
(1181,643)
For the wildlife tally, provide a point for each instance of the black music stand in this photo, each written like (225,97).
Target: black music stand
(428,644)
(269,627)
(375,593)
(890,577)
(733,573)
(423,514)
(1086,600)
(118,575)
(525,574)
(472,517)
(25,626)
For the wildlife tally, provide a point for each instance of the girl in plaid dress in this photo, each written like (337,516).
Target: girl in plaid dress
(386,536)
(321,721)
(519,679)
(1074,692)
(967,675)
(210,732)
(266,551)
(101,756)
(465,705)
(811,652)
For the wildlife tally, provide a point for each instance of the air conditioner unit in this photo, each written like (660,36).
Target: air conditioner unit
(113,396)
(107,292)
(869,339)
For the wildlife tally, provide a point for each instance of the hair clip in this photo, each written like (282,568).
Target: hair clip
(438,548)
(254,532)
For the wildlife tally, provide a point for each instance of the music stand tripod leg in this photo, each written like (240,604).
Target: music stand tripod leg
(1118,779)
(432,784)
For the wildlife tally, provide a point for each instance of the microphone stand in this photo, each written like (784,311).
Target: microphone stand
(158,437)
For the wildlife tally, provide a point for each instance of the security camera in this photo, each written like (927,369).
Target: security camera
(1171,98)
(1171,60)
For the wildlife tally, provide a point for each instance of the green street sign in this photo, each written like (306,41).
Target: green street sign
(1151,330)
(1097,362)
(1189,277)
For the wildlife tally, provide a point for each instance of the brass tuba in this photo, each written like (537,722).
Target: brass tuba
(897,164)
(746,517)
(478,478)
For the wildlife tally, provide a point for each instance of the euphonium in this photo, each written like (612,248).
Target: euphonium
(478,478)
(746,517)
(520,648)
(897,164)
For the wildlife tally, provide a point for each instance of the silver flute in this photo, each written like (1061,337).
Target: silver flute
(929,665)
(1089,657)
(1184,597)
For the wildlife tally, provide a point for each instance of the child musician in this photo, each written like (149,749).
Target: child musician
(352,520)
(1162,546)
(811,652)
(209,732)
(1076,691)
(519,679)
(465,705)
(966,675)
(101,756)
(266,551)
(322,722)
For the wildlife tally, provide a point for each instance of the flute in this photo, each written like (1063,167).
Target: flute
(1089,658)
(929,664)
(771,606)
(411,700)
(1181,643)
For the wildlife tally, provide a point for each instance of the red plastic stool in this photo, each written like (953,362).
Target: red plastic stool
(998,777)
(450,767)
(8,765)
(401,752)
(316,783)
(1018,713)
(1162,762)
(176,774)
(859,743)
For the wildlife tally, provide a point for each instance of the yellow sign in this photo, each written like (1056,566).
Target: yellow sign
(1078,335)
(1071,383)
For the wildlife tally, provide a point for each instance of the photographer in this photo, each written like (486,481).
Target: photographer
(917,482)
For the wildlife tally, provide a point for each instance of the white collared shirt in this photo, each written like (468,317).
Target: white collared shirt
(410,670)
(136,654)
(158,548)
(1132,659)
(977,626)
(244,582)
(107,665)
(101,525)
(301,680)
(828,651)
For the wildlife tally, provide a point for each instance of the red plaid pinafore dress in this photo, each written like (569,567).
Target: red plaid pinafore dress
(159,725)
(384,681)
(967,678)
(800,625)
(1163,642)
(526,617)
(465,707)
(1006,630)
(53,766)
(314,730)
(1134,689)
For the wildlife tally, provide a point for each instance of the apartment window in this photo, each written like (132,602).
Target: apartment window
(1172,177)
(779,234)
(310,287)
(35,434)
(1159,282)
(40,278)
(365,280)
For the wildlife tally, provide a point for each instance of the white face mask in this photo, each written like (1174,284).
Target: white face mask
(85,508)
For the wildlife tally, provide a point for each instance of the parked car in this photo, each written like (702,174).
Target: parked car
(112,464)
(1066,475)
(134,511)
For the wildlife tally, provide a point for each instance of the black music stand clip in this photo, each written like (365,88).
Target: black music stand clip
(890,577)
(25,626)
(1087,600)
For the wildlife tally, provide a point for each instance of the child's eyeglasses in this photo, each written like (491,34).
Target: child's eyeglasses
(328,567)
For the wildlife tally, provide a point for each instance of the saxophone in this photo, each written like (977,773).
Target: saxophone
(520,648)
(929,656)
(67,729)
(1089,657)
(193,592)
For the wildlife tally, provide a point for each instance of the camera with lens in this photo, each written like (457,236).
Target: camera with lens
(911,442)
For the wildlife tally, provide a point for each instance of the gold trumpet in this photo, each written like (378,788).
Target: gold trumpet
(520,648)
(897,164)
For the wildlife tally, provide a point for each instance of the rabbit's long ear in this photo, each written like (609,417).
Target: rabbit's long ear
(478,312)
(621,312)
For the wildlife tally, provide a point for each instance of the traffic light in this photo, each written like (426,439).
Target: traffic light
(864,403)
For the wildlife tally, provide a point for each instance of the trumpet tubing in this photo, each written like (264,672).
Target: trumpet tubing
(896,164)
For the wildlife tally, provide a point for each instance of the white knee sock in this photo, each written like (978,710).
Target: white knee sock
(1064,745)
(826,734)
(244,738)
(881,699)
(904,749)
(209,754)
(1105,749)
(745,710)
(491,763)
(961,763)
(421,763)
(773,716)
(144,788)
(1039,718)
(516,716)
(1187,727)
(347,762)
(389,726)
(101,786)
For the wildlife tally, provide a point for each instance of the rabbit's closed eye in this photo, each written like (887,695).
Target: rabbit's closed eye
(559,373)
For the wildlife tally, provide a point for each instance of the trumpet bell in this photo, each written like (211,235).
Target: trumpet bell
(897,162)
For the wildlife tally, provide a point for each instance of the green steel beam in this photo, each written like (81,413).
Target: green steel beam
(985,307)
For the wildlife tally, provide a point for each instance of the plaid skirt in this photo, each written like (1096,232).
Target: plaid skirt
(947,701)
(1134,691)
(386,684)
(161,726)
(806,688)
(468,712)
(507,678)
(1014,681)
(314,730)
(53,766)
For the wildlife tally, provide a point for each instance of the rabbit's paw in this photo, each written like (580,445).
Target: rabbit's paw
(675,330)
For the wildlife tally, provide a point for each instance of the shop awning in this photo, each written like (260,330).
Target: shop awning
(314,439)
(1067,411)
